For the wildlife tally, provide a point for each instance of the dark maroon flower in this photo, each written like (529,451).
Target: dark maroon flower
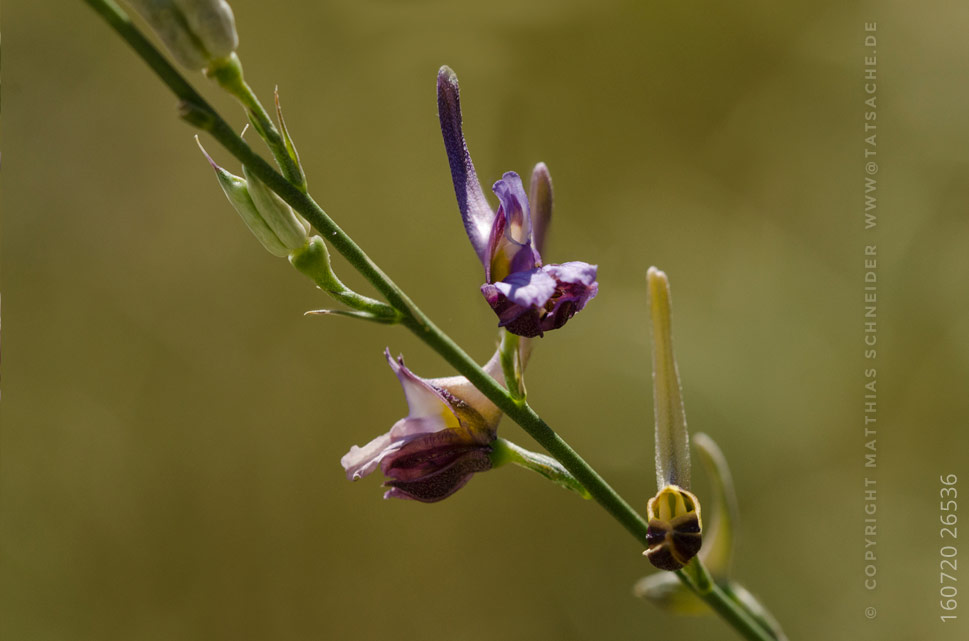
(445,438)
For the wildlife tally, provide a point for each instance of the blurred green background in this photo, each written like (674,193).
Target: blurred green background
(172,424)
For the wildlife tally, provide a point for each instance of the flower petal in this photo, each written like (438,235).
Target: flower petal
(510,244)
(361,461)
(443,482)
(523,320)
(463,390)
(475,211)
(576,286)
(575,273)
(540,200)
(533,302)
(427,453)
(426,404)
(533,287)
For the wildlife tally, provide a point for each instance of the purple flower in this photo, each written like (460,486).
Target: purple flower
(528,297)
(445,438)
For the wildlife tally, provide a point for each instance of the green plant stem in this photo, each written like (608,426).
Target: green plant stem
(198,112)
(511,365)
(228,74)
(504,451)
(696,576)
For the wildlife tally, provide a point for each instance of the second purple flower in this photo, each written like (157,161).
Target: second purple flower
(529,298)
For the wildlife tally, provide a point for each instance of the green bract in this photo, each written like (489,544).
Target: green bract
(270,220)
(288,226)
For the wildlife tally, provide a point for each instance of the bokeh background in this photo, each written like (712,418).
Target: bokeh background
(172,424)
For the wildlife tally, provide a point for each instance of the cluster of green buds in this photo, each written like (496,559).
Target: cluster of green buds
(201,35)
(286,234)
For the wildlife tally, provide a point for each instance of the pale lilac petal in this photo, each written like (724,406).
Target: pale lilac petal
(540,200)
(529,288)
(493,368)
(461,388)
(361,461)
(432,453)
(408,427)
(523,320)
(575,272)
(514,204)
(423,401)
(476,213)
(509,245)
(534,302)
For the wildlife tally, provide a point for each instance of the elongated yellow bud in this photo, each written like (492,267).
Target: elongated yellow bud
(672,438)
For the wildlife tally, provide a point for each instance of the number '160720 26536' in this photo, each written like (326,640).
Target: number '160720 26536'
(948,553)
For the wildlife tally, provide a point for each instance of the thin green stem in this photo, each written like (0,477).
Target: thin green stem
(227,72)
(697,578)
(313,260)
(511,365)
(744,599)
(504,451)
(199,113)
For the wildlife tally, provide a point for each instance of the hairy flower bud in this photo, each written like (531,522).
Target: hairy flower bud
(196,32)
(675,531)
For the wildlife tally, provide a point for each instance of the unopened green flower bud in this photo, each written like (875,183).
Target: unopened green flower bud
(237,191)
(196,32)
(314,260)
(288,226)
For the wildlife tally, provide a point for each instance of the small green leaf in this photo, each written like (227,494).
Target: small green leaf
(666,591)
(718,541)
(504,451)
